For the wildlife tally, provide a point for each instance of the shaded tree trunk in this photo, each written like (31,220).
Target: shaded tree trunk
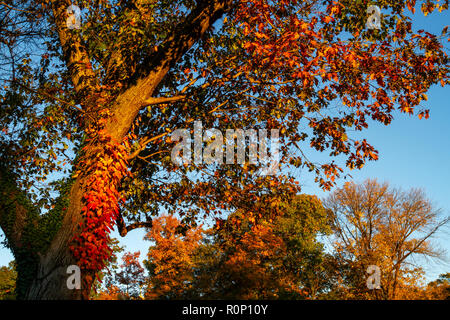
(50,282)
(51,272)
(42,263)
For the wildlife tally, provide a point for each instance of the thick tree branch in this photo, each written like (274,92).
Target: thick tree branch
(75,54)
(123,229)
(149,75)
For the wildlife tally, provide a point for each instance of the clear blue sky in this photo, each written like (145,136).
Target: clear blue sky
(413,153)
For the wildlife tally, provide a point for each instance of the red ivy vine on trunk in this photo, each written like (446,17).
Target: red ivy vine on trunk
(102,198)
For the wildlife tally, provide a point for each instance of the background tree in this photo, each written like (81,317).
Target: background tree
(131,276)
(170,259)
(120,281)
(86,114)
(438,289)
(265,255)
(270,254)
(8,276)
(246,263)
(303,226)
(377,225)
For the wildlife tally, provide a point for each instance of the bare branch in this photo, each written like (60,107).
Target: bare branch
(160,100)
(123,229)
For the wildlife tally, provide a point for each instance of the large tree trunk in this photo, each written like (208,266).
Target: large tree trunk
(42,273)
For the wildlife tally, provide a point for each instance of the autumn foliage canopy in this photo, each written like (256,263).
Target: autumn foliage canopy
(87,114)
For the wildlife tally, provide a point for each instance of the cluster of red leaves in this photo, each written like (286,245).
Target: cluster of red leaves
(102,199)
